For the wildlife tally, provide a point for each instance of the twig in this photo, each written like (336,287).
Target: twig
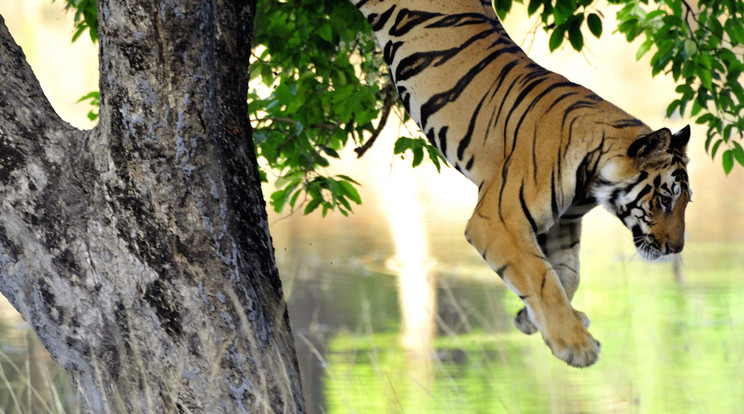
(326,126)
(390,98)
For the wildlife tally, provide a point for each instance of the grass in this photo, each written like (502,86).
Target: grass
(31,383)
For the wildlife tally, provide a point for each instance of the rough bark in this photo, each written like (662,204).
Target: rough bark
(139,251)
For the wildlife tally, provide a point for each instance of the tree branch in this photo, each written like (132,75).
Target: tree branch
(326,126)
(33,142)
(390,98)
(23,105)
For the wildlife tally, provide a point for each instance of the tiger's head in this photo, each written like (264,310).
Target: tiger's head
(648,190)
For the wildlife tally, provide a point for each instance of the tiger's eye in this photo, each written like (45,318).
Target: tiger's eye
(665,202)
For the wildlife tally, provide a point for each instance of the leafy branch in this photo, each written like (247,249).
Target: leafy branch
(701,48)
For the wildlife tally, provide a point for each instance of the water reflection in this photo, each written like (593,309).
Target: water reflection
(660,341)
(411,262)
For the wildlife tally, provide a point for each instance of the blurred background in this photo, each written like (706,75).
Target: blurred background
(393,311)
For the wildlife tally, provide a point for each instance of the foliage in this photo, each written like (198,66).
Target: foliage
(311,102)
(95,101)
(701,46)
(319,82)
(563,17)
(322,85)
(86,17)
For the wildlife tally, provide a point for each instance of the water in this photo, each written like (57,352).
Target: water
(666,346)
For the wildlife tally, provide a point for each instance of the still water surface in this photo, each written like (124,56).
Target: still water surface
(667,346)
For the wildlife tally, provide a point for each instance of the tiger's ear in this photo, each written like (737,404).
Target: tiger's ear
(650,148)
(681,138)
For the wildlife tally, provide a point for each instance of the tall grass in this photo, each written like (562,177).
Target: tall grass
(30,382)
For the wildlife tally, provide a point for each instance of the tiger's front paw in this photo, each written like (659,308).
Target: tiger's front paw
(572,343)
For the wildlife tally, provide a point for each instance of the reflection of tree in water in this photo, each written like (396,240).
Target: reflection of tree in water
(467,306)
(324,304)
(310,342)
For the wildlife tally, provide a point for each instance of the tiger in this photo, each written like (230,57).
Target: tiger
(542,150)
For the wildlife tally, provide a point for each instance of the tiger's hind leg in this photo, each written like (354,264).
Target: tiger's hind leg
(507,241)
(561,246)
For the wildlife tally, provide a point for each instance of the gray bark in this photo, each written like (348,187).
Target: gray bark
(139,251)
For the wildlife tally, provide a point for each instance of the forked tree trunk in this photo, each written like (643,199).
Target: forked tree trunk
(139,251)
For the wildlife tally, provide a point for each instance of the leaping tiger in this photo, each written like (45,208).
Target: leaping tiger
(542,150)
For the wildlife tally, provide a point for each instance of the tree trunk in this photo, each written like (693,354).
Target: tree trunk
(139,251)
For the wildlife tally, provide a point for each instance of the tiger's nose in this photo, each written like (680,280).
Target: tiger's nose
(674,248)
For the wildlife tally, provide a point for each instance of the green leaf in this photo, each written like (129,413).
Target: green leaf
(702,119)
(684,89)
(403,144)
(312,205)
(533,6)
(93,96)
(728,161)
(654,14)
(563,11)
(330,151)
(672,107)
(350,191)
(436,157)
(284,93)
(738,153)
(556,38)
(706,78)
(629,26)
(347,178)
(595,24)
(576,38)
(418,156)
(334,188)
(278,198)
(715,148)
(289,180)
(735,30)
(342,200)
(644,48)
(690,47)
(79,30)
(716,28)
(325,32)
(501,7)
(696,108)
(293,199)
